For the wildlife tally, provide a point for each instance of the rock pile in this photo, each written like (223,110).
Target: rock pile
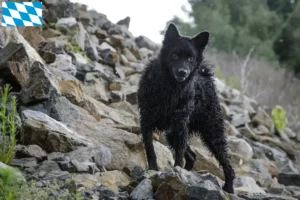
(79,118)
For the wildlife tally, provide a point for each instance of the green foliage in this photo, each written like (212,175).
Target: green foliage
(54,26)
(75,48)
(8,128)
(11,188)
(9,183)
(279,118)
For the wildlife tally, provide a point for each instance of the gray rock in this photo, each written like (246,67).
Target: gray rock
(48,166)
(260,174)
(98,19)
(48,56)
(294,190)
(38,128)
(265,197)
(143,41)
(143,191)
(11,34)
(48,170)
(100,155)
(57,175)
(280,191)
(105,46)
(101,34)
(185,185)
(58,9)
(60,109)
(116,97)
(269,152)
(146,53)
(14,64)
(95,87)
(239,119)
(68,166)
(41,85)
(85,167)
(126,106)
(104,71)
(68,22)
(118,41)
(240,147)
(205,190)
(247,184)
(115,29)
(100,110)
(129,56)
(24,162)
(64,63)
(263,118)
(287,167)
(139,67)
(126,148)
(108,54)
(289,179)
(125,22)
(106,193)
(56,156)
(30,151)
(79,60)
(137,172)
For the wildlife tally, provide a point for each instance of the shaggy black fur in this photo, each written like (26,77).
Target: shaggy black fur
(177,95)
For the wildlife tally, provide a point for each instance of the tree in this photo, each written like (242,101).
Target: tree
(235,25)
(287,44)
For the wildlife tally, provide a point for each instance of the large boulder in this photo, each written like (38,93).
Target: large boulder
(40,129)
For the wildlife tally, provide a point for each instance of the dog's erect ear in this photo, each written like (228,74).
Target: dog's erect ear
(171,33)
(201,39)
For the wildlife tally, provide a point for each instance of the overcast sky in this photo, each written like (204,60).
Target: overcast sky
(148,17)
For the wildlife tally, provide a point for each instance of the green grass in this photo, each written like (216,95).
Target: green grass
(75,48)
(13,189)
(8,129)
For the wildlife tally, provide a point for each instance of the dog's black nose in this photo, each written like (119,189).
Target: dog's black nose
(182,72)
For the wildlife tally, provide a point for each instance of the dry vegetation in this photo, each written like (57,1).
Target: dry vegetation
(264,81)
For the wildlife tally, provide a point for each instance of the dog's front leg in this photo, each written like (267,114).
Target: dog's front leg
(180,136)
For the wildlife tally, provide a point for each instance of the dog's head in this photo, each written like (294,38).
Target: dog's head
(180,54)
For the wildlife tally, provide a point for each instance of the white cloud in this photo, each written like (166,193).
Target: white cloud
(147,17)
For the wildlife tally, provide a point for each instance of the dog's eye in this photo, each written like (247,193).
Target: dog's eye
(175,56)
(191,59)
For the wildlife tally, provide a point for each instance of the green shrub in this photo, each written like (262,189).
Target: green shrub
(279,118)
(9,183)
(11,188)
(8,127)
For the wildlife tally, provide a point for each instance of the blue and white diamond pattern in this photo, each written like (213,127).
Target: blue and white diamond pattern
(22,14)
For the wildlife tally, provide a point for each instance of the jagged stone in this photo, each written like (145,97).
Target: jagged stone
(14,65)
(40,129)
(41,85)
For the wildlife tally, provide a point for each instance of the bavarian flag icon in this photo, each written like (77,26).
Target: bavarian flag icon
(21,14)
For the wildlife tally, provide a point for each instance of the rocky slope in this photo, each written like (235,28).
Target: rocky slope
(76,80)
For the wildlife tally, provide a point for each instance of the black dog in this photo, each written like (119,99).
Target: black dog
(177,95)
